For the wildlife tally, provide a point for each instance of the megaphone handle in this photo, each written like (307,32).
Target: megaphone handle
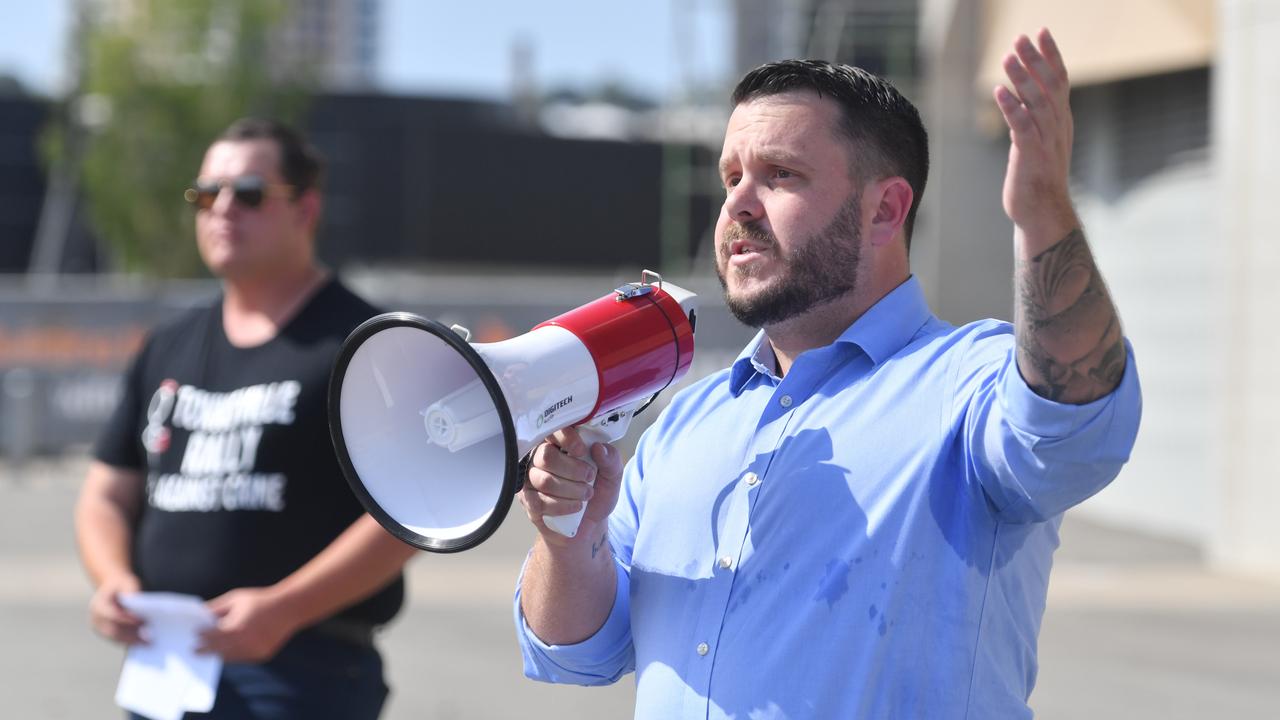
(600,430)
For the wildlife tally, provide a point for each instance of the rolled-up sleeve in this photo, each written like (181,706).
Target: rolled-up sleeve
(599,660)
(1035,457)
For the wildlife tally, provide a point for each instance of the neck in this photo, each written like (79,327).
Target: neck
(817,327)
(254,310)
(821,325)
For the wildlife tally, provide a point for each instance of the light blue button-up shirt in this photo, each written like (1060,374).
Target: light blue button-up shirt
(867,537)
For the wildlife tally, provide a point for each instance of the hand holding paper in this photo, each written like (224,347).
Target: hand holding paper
(166,677)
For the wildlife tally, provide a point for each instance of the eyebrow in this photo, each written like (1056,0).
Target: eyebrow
(771,156)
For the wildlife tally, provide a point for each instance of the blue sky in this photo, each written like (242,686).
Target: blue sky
(32,42)
(449,47)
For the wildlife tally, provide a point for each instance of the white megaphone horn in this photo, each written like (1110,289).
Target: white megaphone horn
(430,429)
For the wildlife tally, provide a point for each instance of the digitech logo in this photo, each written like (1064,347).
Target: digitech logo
(546,414)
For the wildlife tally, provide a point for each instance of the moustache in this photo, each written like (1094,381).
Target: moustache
(751,232)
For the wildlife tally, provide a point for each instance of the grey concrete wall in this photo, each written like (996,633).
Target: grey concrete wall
(1155,245)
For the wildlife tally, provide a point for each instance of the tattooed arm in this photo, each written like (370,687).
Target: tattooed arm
(1070,348)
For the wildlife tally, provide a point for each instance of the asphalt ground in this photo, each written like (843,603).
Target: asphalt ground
(1136,628)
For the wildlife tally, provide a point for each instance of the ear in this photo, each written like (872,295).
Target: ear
(892,198)
(309,205)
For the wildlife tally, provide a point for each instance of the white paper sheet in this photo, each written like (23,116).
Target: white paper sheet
(165,678)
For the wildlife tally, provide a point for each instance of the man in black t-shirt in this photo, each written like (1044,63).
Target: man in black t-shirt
(216,477)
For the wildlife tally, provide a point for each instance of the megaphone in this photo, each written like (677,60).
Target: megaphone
(429,428)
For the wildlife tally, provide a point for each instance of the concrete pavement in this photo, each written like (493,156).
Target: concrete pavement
(1136,628)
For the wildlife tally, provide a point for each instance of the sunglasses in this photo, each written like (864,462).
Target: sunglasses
(248,190)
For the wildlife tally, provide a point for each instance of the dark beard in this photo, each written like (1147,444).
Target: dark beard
(819,270)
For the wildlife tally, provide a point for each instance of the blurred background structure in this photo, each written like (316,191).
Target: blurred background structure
(495,165)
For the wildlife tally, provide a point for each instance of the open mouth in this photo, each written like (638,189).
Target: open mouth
(743,251)
(745,247)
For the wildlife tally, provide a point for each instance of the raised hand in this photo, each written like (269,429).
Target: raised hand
(1070,346)
(1038,112)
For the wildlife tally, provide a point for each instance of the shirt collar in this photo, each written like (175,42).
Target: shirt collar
(884,329)
(757,357)
(887,327)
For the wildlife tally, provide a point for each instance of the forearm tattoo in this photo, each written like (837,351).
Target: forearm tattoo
(1070,348)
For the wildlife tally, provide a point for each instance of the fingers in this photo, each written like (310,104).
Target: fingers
(1016,115)
(111,620)
(119,629)
(1038,78)
(570,441)
(562,469)
(1030,113)
(608,461)
(558,482)
(247,627)
(1049,82)
(109,617)
(232,643)
(211,641)
(1049,47)
(1026,86)
(214,638)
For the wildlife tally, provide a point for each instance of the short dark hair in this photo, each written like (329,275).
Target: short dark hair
(876,118)
(300,164)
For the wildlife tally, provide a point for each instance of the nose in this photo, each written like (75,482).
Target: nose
(742,203)
(224,201)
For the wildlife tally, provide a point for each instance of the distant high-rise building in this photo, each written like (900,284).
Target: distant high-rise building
(339,36)
(876,35)
(768,30)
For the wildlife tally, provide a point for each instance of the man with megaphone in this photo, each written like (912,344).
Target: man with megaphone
(857,518)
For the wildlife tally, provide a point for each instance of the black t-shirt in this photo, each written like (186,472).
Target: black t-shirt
(242,484)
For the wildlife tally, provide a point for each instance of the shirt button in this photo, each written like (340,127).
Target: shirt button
(725,562)
(751,479)
(703,648)
(785,401)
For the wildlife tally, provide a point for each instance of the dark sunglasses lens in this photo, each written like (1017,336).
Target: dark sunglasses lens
(249,197)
